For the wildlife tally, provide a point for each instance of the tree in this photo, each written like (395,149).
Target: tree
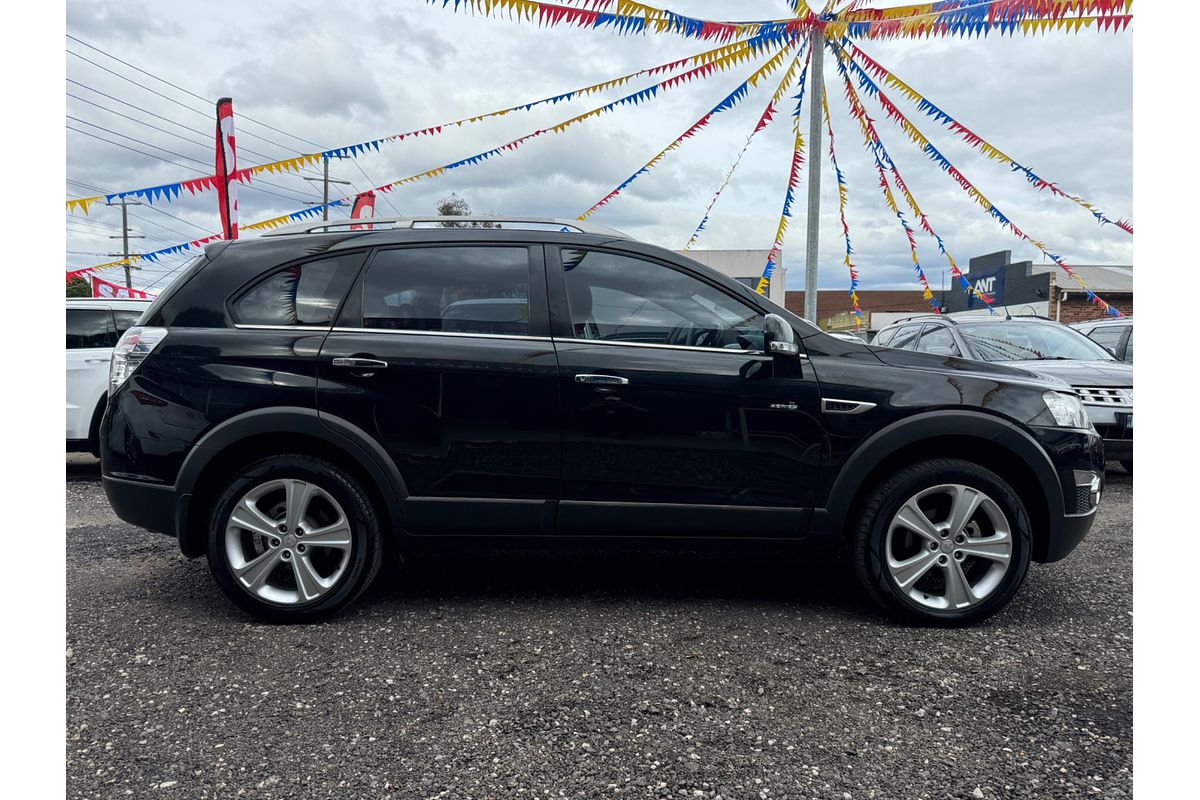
(79,287)
(455,206)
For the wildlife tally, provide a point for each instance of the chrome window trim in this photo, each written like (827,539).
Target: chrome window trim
(667,346)
(455,334)
(253,327)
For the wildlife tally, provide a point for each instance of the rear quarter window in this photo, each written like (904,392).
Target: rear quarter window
(300,294)
(90,328)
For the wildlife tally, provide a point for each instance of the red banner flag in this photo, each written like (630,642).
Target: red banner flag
(226,166)
(115,291)
(364,208)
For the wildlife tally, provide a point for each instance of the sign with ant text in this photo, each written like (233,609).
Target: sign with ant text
(115,291)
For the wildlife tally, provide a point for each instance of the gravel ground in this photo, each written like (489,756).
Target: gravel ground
(591,674)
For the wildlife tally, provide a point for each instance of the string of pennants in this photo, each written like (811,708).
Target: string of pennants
(963,18)
(719,59)
(742,41)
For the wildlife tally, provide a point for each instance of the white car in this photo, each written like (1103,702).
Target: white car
(93,327)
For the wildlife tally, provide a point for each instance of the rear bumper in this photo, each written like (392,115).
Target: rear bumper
(146,505)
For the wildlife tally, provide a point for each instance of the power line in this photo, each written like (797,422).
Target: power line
(181,219)
(134,149)
(205,114)
(187,91)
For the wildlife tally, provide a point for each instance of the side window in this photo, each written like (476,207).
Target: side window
(938,340)
(302,294)
(1129,347)
(1108,336)
(89,328)
(456,289)
(624,299)
(906,337)
(883,337)
(125,320)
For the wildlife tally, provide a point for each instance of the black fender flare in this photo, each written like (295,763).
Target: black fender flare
(334,431)
(902,433)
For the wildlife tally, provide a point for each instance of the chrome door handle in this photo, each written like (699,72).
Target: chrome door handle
(360,363)
(605,380)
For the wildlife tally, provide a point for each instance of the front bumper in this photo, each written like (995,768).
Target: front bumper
(1115,425)
(1078,459)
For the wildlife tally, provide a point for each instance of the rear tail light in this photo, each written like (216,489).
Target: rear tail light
(131,351)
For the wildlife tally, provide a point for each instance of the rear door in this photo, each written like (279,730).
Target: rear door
(443,354)
(675,420)
(90,339)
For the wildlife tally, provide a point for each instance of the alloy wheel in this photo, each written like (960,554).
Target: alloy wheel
(949,547)
(288,542)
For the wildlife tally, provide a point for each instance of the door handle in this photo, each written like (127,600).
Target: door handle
(604,380)
(96,360)
(360,363)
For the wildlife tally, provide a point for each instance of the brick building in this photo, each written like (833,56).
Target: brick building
(878,304)
(1044,289)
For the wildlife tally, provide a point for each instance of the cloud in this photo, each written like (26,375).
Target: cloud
(1060,104)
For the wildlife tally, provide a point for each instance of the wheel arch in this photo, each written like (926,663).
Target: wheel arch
(255,434)
(992,442)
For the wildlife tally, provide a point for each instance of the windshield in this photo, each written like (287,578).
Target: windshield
(1024,341)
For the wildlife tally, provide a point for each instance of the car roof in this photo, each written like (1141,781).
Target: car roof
(130,303)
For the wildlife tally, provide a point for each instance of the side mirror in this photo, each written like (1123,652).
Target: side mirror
(779,336)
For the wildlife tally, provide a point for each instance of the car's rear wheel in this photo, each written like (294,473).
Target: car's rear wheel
(293,538)
(942,542)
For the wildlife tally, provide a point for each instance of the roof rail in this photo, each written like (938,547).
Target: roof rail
(395,223)
(946,317)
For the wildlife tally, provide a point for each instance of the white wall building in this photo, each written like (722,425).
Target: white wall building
(745,266)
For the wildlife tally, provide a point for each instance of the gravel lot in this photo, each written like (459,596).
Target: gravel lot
(591,674)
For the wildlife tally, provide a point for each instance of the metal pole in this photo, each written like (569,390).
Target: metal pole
(325,195)
(125,242)
(816,85)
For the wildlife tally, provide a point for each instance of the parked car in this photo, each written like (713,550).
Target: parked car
(350,398)
(1115,335)
(93,327)
(1047,347)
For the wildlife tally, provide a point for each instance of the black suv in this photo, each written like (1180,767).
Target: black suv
(294,405)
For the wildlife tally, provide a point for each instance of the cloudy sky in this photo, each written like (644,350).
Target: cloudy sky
(335,74)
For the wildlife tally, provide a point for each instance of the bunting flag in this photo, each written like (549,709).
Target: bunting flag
(722,58)
(764,282)
(960,18)
(868,126)
(972,138)
(731,100)
(226,163)
(931,152)
(843,194)
(364,208)
(764,120)
(967,18)
(629,17)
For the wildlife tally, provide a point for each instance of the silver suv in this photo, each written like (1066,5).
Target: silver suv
(1116,335)
(1104,383)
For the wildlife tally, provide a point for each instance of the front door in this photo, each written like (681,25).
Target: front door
(675,420)
(442,353)
(90,340)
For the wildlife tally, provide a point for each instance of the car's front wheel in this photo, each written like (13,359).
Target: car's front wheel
(943,542)
(293,538)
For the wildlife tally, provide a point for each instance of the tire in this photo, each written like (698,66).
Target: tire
(1128,465)
(999,527)
(281,579)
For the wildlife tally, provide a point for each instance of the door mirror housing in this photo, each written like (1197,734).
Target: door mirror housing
(779,336)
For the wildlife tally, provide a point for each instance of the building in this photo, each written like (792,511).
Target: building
(880,307)
(744,266)
(1042,289)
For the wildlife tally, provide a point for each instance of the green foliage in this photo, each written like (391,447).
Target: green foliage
(455,206)
(79,287)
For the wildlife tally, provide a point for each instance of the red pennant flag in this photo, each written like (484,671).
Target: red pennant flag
(364,208)
(226,167)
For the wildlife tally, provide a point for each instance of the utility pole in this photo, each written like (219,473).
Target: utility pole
(125,237)
(816,86)
(325,181)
